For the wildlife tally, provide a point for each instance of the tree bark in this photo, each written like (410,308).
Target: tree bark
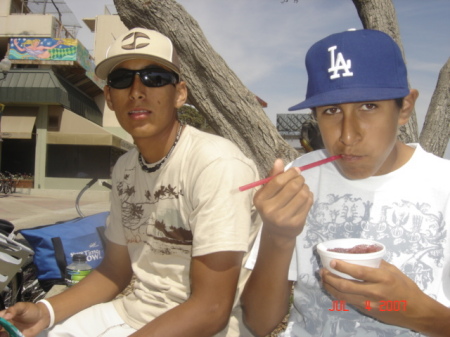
(436,128)
(218,94)
(381,15)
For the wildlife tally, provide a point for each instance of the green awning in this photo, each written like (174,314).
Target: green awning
(43,86)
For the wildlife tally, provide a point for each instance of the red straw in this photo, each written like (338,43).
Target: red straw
(302,168)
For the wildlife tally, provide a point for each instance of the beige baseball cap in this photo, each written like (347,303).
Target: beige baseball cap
(139,43)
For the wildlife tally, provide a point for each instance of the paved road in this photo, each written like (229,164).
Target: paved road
(31,208)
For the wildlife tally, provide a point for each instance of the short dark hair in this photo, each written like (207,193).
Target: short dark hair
(399,102)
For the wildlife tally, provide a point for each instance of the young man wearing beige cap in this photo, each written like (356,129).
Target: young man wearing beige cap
(177,222)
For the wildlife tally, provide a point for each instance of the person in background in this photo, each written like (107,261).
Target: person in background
(177,221)
(380,189)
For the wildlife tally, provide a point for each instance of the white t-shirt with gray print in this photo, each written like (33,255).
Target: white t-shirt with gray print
(408,210)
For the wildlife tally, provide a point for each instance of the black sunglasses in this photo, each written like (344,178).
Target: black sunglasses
(150,77)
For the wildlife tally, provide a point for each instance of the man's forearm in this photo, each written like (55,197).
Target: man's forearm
(434,320)
(266,296)
(189,319)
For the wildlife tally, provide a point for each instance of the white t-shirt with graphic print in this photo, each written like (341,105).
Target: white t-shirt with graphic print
(190,207)
(408,210)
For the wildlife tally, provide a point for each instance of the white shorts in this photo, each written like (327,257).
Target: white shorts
(101,320)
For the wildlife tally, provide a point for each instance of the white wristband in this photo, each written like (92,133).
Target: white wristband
(51,312)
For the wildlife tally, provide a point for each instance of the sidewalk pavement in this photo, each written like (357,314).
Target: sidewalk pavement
(29,208)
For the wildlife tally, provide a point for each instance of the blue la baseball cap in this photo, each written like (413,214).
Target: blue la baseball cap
(354,66)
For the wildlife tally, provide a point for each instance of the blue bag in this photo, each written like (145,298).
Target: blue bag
(54,245)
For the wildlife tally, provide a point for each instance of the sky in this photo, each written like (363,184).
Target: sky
(265,41)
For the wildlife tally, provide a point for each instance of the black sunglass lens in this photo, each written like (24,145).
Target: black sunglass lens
(121,79)
(153,78)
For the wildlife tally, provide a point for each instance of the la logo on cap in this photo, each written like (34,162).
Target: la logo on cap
(134,44)
(339,63)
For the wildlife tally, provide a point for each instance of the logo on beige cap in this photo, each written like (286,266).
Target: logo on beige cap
(134,44)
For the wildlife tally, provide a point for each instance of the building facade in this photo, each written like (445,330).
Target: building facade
(55,125)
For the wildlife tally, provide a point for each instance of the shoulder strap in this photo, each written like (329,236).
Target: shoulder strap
(60,256)
(101,234)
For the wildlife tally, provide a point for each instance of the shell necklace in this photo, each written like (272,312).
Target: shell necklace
(157,167)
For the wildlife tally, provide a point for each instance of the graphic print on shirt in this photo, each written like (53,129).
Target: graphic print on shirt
(414,238)
(151,217)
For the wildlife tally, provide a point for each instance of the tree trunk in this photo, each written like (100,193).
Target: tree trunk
(380,15)
(436,128)
(218,94)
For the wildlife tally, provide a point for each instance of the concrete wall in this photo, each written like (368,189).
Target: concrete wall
(5,7)
(36,25)
(107,28)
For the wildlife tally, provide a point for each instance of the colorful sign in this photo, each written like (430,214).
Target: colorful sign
(49,49)
(30,48)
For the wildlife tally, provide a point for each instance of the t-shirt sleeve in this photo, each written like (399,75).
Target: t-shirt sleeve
(221,216)
(114,228)
(292,275)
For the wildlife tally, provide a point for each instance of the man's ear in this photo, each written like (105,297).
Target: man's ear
(181,94)
(408,107)
(107,92)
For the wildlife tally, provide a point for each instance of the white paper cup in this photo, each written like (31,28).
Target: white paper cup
(364,259)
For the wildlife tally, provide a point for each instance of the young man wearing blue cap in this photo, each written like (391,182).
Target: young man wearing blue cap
(177,222)
(379,189)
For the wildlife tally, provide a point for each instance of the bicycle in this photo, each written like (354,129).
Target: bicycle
(15,258)
(3,183)
(85,188)
(7,183)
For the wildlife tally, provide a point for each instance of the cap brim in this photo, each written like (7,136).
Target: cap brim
(106,66)
(351,95)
